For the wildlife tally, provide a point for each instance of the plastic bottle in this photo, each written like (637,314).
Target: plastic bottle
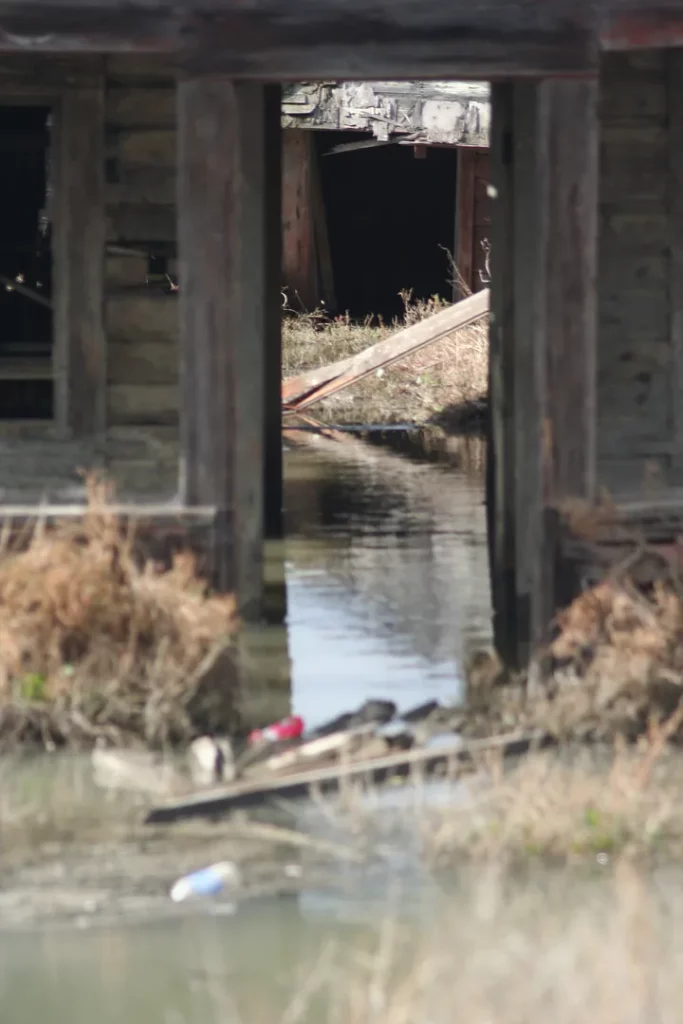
(290,728)
(206,882)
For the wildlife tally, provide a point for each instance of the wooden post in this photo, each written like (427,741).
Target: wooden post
(223,244)
(674,60)
(566,314)
(299,250)
(79,237)
(273,356)
(543,344)
(464,223)
(500,502)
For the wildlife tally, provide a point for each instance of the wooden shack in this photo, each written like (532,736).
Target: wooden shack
(165,132)
(357,206)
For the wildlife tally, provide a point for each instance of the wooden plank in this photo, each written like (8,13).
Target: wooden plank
(675,202)
(223,238)
(143,404)
(299,784)
(142,315)
(141,222)
(142,362)
(277,41)
(146,108)
(464,222)
(309,387)
(80,346)
(139,185)
(299,261)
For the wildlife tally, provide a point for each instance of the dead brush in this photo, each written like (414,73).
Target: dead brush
(95,644)
(564,806)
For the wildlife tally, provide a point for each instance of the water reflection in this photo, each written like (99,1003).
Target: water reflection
(386,576)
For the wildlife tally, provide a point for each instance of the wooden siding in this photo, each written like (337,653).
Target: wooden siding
(141,324)
(637,380)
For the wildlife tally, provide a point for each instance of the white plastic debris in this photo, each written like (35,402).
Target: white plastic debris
(206,882)
(211,760)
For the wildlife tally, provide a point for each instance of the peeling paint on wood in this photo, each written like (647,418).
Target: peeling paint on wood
(436,113)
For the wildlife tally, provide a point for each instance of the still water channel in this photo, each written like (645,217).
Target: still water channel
(386,576)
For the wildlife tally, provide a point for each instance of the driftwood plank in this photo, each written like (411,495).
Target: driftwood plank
(252,794)
(310,387)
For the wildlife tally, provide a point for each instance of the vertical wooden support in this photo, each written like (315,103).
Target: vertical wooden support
(223,241)
(464,222)
(273,356)
(566,310)
(529,364)
(299,249)
(674,60)
(543,343)
(79,239)
(501,452)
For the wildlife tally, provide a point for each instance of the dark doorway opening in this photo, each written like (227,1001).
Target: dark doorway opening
(26,321)
(391,220)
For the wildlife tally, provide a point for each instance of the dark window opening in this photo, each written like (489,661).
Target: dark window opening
(26,321)
(391,222)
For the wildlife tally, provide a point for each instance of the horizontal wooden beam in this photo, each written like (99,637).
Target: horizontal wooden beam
(295,39)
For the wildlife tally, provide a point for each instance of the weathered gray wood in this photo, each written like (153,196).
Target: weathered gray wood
(223,239)
(278,41)
(80,350)
(454,113)
(566,312)
(675,199)
(308,387)
(568,191)
(501,488)
(142,404)
(529,368)
(141,222)
(142,315)
(299,784)
(273,484)
(142,362)
(143,108)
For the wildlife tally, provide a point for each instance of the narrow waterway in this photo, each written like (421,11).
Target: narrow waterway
(387,590)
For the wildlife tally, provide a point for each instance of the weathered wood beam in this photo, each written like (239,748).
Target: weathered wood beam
(500,470)
(273,485)
(79,237)
(543,344)
(280,40)
(223,241)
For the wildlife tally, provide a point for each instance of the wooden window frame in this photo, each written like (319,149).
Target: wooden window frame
(77,217)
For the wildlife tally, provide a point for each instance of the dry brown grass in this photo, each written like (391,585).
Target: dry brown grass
(554,950)
(448,374)
(94,644)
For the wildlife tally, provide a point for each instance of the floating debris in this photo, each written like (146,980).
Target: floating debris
(207,882)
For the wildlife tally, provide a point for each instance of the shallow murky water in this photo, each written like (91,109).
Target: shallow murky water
(387,590)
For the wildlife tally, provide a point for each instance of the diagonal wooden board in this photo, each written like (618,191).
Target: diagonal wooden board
(246,795)
(302,391)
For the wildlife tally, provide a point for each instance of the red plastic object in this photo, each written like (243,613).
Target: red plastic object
(288,729)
